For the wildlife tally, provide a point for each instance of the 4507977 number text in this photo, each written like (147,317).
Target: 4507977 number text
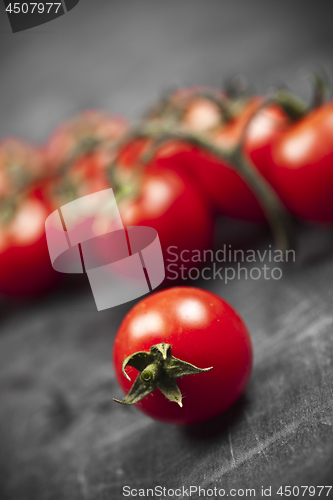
(33,7)
(309,491)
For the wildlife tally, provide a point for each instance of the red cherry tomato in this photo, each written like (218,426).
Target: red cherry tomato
(25,266)
(223,186)
(198,108)
(80,152)
(203,330)
(302,165)
(173,206)
(219,183)
(85,145)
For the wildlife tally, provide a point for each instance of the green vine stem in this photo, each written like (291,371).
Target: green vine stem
(276,214)
(294,107)
(163,130)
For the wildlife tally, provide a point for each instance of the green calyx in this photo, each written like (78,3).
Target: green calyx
(158,370)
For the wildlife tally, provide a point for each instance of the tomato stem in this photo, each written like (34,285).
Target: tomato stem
(276,214)
(158,370)
(294,107)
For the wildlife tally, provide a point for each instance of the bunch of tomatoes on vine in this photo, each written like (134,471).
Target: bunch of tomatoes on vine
(198,153)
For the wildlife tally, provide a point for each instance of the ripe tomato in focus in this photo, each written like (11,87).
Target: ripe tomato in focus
(202,329)
(172,205)
(25,266)
(301,163)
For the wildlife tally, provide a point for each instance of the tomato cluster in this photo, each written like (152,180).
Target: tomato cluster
(35,181)
(287,145)
(197,153)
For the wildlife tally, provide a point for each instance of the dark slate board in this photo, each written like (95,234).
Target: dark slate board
(61,436)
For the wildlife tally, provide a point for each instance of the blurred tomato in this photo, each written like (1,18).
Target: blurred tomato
(25,266)
(229,194)
(20,164)
(172,205)
(223,124)
(86,140)
(301,163)
(81,152)
(73,164)
(197,108)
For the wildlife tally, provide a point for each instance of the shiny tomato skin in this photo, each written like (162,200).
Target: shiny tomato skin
(302,166)
(202,329)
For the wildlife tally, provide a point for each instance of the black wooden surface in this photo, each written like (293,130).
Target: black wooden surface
(61,436)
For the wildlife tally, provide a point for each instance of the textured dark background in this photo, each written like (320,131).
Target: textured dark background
(61,436)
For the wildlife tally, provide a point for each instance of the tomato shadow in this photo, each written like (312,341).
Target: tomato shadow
(218,426)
